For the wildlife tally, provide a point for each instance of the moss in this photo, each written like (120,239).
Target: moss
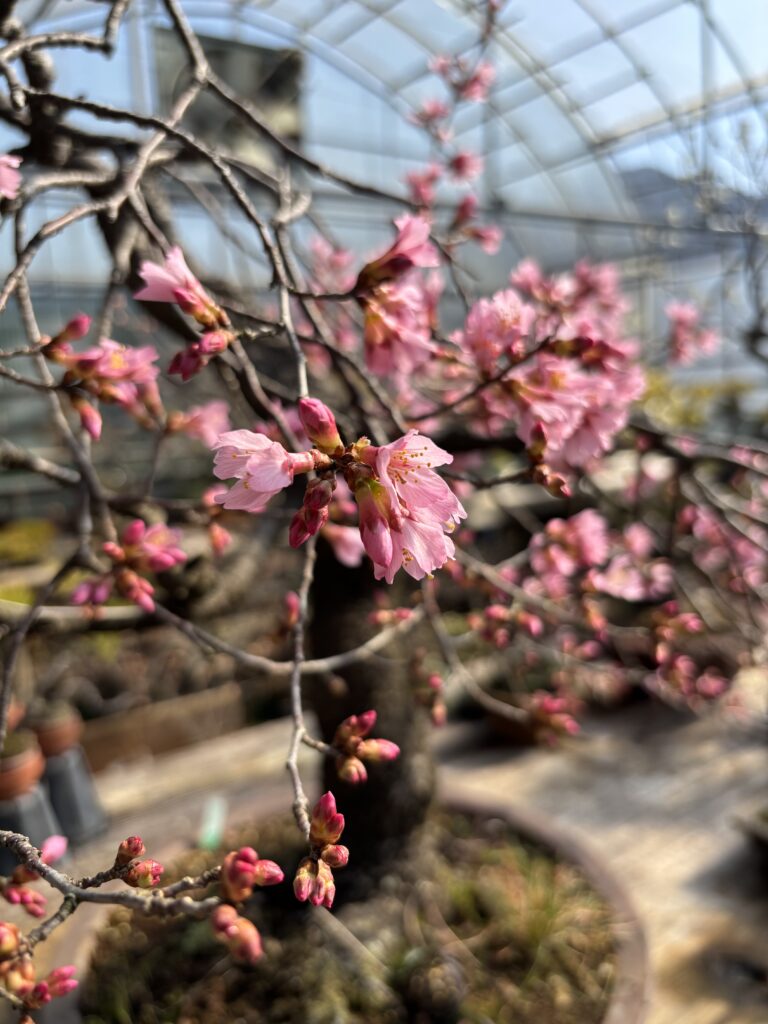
(26,540)
(493,930)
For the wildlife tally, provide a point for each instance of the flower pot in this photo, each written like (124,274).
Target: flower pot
(57,731)
(21,765)
(72,794)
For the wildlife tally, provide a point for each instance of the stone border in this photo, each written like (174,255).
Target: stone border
(630,996)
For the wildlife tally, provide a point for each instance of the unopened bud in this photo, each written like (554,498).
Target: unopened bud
(378,750)
(327,824)
(240,936)
(144,874)
(129,849)
(9,939)
(335,856)
(319,425)
(319,492)
(351,769)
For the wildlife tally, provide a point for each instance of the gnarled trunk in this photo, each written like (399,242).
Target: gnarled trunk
(383,813)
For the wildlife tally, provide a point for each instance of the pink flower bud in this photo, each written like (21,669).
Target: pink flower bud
(144,874)
(237,874)
(291,609)
(129,849)
(327,824)
(219,537)
(29,899)
(214,342)
(188,362)
(304,879)
(335,856)
(90,418)
(351,769)
(319,493)
(9,939)
(378,750)
(305,524)
(74,330)
(53,849)
(319,425)
(61,980)
(239,935)
(267,872)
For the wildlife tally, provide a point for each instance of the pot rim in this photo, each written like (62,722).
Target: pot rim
(630,995)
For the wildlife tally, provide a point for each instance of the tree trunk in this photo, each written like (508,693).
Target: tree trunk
(383,814)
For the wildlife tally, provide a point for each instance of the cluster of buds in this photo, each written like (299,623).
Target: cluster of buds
(669,625)
(239,935)
(18,975)
(220,538)
(16,889)
(319,424)
(552,716)
(141,549)
(487,236)
(314,876)
(540,472)
(428,688)
(354,747)
(496,621)
(242,869)
(138,873)
(109,372)
(174,282)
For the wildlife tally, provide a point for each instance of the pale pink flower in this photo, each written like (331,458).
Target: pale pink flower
(476,86)
(410,249)
(406,513)
(465,165)
(688,339)
(431,111)
(262,467)
(422,184)
(173,281)
(346,543)
(396,335)
(205,422)
(53,849)
(10,179)
(495,327)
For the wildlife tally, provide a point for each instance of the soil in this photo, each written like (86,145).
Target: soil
(487,930)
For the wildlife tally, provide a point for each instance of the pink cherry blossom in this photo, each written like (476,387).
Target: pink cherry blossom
(262,467)
(173,281)
(688,339)
(408,510)
(10,179)
(205,422)
(410,249)
(465,165)
(396,333)
(346,543)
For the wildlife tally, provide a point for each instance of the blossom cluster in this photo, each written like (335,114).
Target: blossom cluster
(406,510)
(314,877)
(142,549)
(355,747)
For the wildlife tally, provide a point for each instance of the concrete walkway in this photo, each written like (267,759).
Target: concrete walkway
(653,792)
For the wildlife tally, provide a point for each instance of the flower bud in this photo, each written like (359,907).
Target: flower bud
(319,492)
(129,849)
(378,750)
(291,609)
(305,524)
(319,425)
(238,934)
(219,537)
(53,849)
(335,856)
(144,874)
(18,976)
(90,418)
(237,874)
(351,769)
(327,824)
(9,939)
(304,879)
(74,330)
(61,980)
(32,901)
(266,872)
